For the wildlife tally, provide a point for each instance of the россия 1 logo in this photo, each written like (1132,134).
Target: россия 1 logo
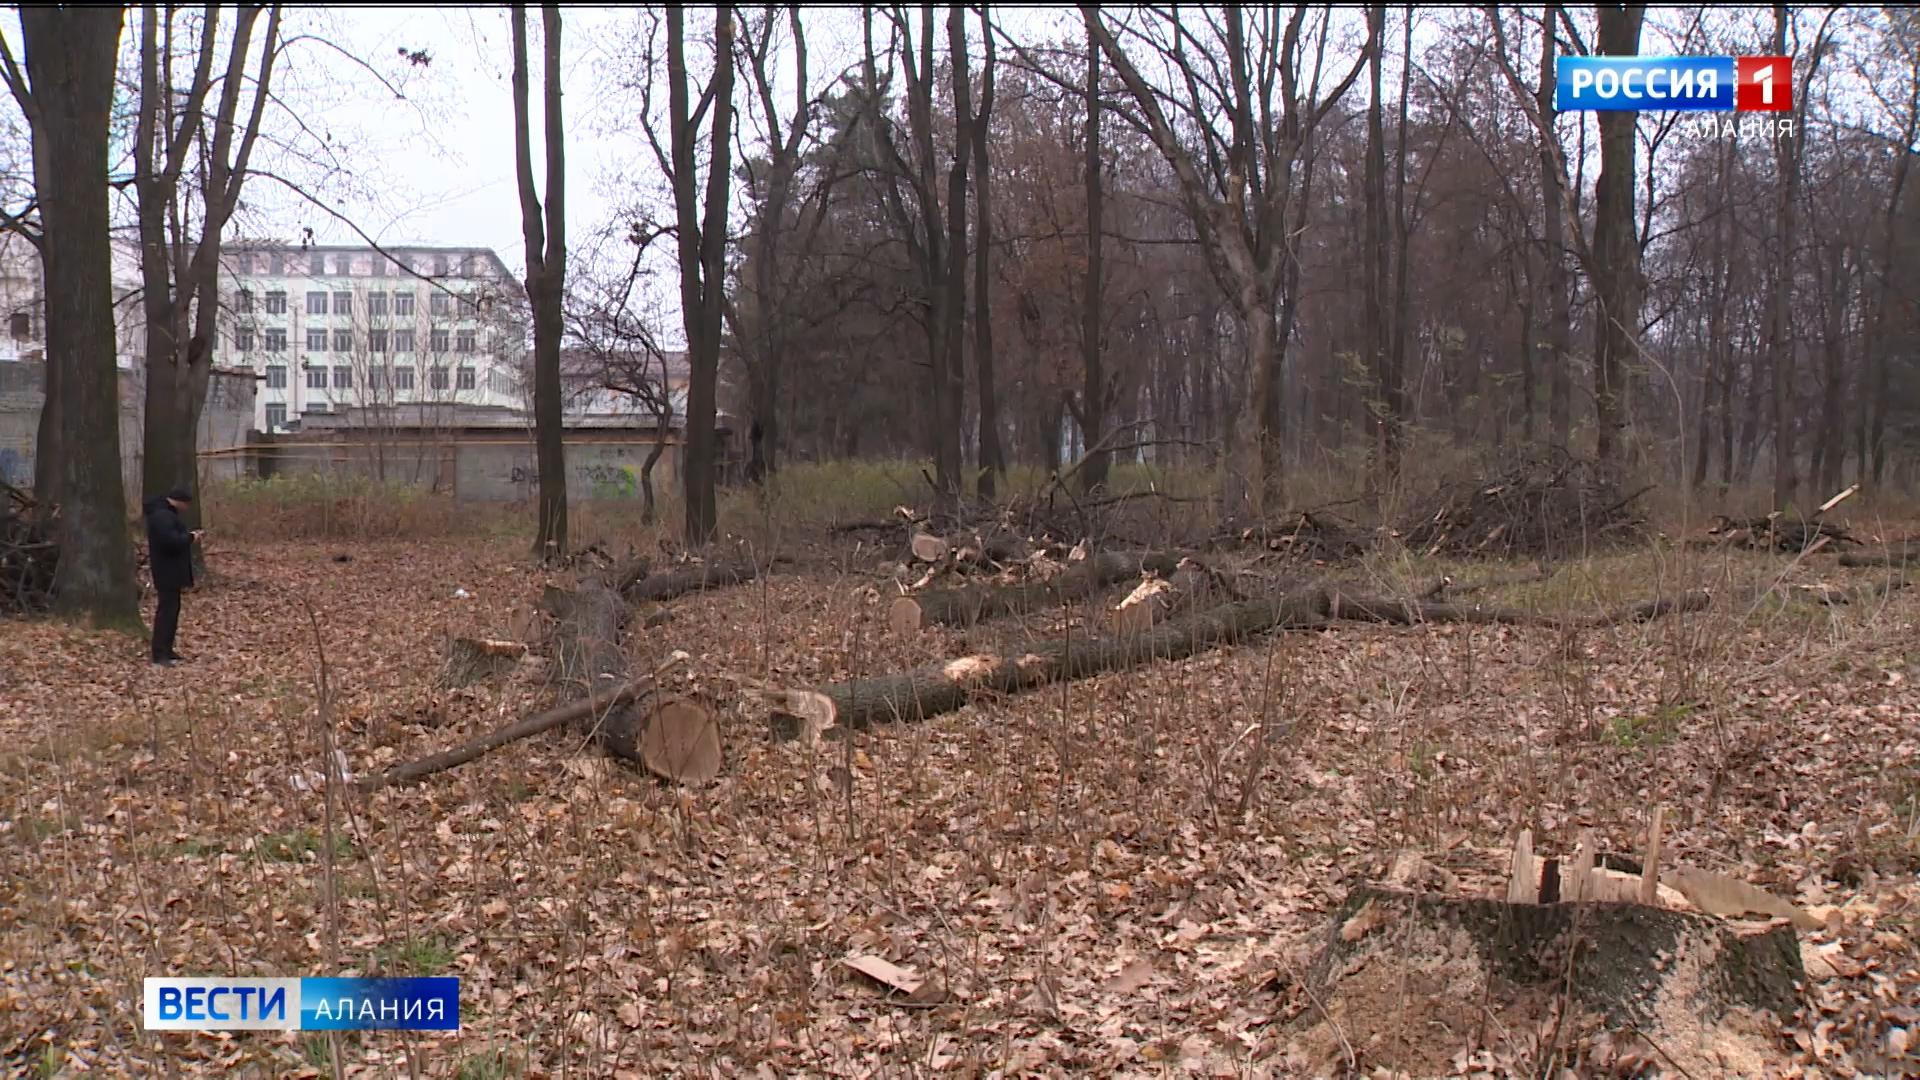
(1673,83)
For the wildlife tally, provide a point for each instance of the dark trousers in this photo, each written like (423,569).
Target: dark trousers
(166,623)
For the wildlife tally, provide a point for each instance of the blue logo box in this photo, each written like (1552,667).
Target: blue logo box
(306,1004)
(1644,83)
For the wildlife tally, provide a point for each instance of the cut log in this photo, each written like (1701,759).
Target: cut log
(679,740)
(947,685)
(904,617)
(1156,600)
(1449,962)
(977,603)
(611,698)
(666,586)
(1904,553)
(929,548)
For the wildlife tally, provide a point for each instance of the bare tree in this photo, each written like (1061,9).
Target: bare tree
(1616,243)
(993,463)
(1239,183)
(66,94)
(180,280)
(546,244)
(1095,391)
(700,232)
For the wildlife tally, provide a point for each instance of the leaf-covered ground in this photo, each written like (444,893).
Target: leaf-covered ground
(1114,877)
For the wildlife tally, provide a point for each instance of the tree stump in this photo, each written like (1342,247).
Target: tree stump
(1395,962)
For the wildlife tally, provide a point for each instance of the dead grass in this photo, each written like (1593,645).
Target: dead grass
(1026,852)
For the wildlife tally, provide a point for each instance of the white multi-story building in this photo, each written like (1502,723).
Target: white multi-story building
(329,328)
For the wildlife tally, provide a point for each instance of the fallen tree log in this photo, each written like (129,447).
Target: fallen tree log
(944,686)
(977,603)
(673,737)
(592,705)
(1901,554)
(672,583)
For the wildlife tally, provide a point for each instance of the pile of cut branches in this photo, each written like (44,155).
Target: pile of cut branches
(28,554)
(1543,506)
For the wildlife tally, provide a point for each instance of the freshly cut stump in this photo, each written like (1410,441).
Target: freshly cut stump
(678,739)
(1396,962)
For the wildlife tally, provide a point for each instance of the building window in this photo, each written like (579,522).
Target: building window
(441,304)
(276,376)
(403,303)
(243,341)
(343,341)
(439,340)
(440,265)
(316,303)
(437,379)
(276,415)
(403,341)
(276,302)
(20,324)
(343,303)
(318,265)
(377,265)
(403,377)
(376,341)
(276,340)
(342,377)
(316,377)
(463,341)
(376,303)
(466,379)
(243,301)
(316,340)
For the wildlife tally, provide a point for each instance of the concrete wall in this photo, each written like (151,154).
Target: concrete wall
(596,470)
(226,421)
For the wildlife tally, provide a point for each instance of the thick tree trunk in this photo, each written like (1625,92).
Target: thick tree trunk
(71,56)
(1093,380)
(544,233)
(702,240)
(1616,246)
(993,460)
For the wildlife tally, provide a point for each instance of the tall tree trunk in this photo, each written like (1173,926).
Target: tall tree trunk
(71,58)
(1093,380)
(1786,481)
(954,399)
(702,240)
(181,280)
(993,462)
(1559,310)
(1616,245)
(1830,452)
(1386,443)
(546,251)
(1401,322)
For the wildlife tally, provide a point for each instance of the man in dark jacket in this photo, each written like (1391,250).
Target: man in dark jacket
(170,556)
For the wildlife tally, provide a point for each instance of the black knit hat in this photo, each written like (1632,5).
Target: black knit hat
(180,494)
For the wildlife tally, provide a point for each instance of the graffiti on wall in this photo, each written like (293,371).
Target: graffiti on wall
(599,481)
